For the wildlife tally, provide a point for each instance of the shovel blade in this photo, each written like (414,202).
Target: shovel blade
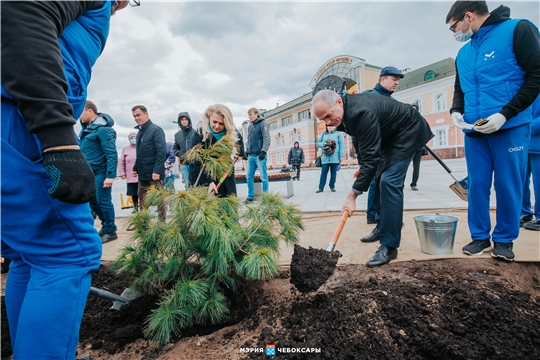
(461,189)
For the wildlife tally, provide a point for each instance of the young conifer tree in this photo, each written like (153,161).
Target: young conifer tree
(207,244)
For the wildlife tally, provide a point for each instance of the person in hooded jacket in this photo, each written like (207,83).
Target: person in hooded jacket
(386,134)
(330,161)
(98,145)
(257,146)
(497,81)
(216,123)
(296,158)
(183,142)
(127,160)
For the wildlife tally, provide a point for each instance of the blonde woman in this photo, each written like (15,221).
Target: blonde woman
(217,122)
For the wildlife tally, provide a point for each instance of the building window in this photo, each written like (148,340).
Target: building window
(278,160)
(429,75)
(272,126)
(277,141)
(298,138)
(286,121)
(303,115)
(440,102)
(292,138)
(283,140)
(441,138)
(283,155)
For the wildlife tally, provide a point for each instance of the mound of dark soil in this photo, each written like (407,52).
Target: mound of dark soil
(422,310)
(310,268)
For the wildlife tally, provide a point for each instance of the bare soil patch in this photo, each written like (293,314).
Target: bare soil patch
(447,309)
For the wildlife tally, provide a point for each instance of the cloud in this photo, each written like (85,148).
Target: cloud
(186,56)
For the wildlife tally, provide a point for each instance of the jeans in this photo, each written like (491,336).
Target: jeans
(297,167)
(185,175)
(168,183)
(533,168)
(324,173)
(102,204)
(371,211)
(391,204)
(253,164)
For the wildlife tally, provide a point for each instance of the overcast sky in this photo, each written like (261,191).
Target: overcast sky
(184,56)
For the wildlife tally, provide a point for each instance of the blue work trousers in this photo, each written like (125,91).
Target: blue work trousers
(533,168)
(102,204)
(185,175)
(253,164)
(53,247)
(498,159)
(390,192)
(324,174)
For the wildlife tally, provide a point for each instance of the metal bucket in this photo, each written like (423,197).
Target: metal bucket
(436,233)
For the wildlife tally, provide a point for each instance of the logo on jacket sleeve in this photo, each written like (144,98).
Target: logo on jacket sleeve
(491,55)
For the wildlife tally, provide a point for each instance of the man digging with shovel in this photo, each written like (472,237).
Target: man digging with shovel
(386,134)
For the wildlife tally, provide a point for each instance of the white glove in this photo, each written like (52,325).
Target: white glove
(494,124)
(457,118)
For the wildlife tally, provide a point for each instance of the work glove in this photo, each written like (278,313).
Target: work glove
(457,118)
(72,178)
(329,147)
(494,123)
(262,155)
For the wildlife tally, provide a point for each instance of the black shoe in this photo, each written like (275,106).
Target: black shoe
(372,221)
(503,251)
(525,219)
(383,256)
(374,236)
(248,200)
(414,188)
(532,225)
(333,190)
(318,191)
(477,247)
(108,237)
(100,232)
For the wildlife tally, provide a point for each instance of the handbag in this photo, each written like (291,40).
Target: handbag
(318,162)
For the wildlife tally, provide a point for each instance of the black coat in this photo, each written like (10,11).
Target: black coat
(384,132)
(296,156)
(151,151)
(229,184)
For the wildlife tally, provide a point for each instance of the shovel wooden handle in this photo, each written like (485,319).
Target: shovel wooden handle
(344,218)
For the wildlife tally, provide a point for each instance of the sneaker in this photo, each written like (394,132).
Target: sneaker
(108,237)
(333,190)
(414,188)
(100,232)
(503,251)
(318,191)
(525,219)
(477,247)
(532,225)
(248,200)
(372,221)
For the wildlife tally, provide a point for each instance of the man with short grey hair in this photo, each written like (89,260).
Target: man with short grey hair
(386,134)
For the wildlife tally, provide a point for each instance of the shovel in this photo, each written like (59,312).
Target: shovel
(118,300)
(460,187)
(310,268)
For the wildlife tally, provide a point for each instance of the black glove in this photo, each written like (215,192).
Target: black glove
(72,178)
(262,155)
(329,147)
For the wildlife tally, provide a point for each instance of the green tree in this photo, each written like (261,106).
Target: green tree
(206,244)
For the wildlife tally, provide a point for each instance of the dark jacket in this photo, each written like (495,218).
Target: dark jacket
(258,137)
(296,156)
(384,132)
(98,145)
(229,184)
(183,139)
(379,89)
(151,151)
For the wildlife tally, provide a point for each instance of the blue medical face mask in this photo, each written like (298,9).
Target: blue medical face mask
(133,141)
(460,36)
